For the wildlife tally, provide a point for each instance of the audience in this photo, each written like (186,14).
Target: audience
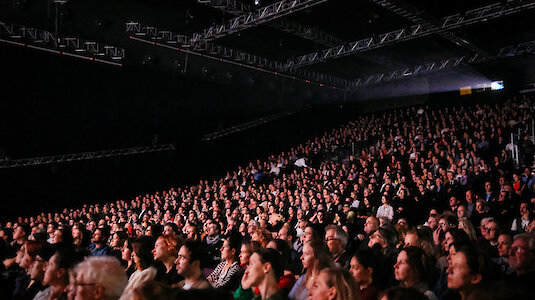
(404,200)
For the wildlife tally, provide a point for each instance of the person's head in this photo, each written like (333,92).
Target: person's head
(371,225)
(166,247)
(213,229)
(411,239)
(192,232)
(466,269)
(98,277)
(100,236)
(492,229)
(411,266)
(462,211)
(265,265)
(286,233)
(170,229)
(447,221)
(245,253)
(336,239)
(313,232)
(21,233)
(57,269)
(191,258)
(454,235)
(62,236)
(505,240)
(365,267)
(126,251)
(383,237)
(467,226)
(522,253)
(334,283)
(38,267)
(230,251)
(142,252)
(316,256)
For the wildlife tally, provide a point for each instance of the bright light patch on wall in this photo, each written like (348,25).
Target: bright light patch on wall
(466,90)
(496,85)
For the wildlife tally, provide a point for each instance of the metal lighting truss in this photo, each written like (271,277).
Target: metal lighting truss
(504,52)
(261,15)
(523,48)
(235,7)
(419,17)
(474,16)
(173,40)
(47,41)
(36,161)
(251,124)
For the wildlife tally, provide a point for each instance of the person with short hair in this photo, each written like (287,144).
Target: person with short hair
(522,260)
(227,274)
(336,239)
(57,272)
(99,246)
(98,278)
(190,263)
(466,270)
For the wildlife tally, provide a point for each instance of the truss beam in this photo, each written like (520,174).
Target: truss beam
(470,17)
(504,52)
(418,16)
(46,160)
(261,15)
(235,7)
(251,124)
(173,40)
(47,41)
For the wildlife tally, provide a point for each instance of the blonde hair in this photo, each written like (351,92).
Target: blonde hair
(467,226)
(345,284)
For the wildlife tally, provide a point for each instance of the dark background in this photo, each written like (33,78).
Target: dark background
(55,105)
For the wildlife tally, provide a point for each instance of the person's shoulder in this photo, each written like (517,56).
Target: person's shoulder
(279,295)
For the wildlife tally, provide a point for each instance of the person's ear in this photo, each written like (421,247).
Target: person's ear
(266,267)
(476,278)
(332,293)
(98,291)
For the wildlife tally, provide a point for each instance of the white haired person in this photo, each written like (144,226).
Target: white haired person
(98,277)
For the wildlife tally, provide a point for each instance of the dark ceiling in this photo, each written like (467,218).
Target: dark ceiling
(344,21)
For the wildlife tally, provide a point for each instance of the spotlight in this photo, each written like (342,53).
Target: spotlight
(496,85)
(257,2)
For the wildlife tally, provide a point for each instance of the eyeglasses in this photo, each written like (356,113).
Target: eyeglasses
(76,284)
(331,239)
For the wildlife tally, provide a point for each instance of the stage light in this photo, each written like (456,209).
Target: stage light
(496,85)
(257,2)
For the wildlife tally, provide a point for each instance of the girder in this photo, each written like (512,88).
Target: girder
(473,16)
(45,160)
(72,46)
(247,20)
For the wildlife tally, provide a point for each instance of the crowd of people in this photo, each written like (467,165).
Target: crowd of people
(432,206)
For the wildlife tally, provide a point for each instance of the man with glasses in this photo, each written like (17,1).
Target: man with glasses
(522,260)
(336,240)
(98,277)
